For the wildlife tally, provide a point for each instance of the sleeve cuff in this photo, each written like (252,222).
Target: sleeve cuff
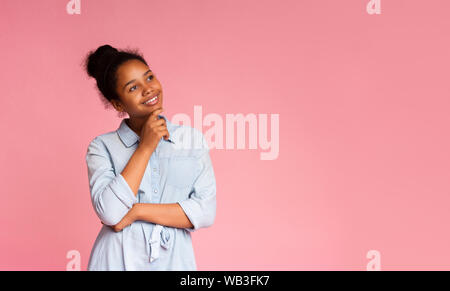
(123,191)
(189,211)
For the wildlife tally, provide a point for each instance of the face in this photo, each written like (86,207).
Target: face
(139,91)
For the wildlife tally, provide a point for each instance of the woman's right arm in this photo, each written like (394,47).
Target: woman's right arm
(113,196)
(135,168)
(151,132)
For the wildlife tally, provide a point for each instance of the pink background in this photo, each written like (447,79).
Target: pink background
(364,126)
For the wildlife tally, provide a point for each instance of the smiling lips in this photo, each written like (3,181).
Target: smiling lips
(152,101)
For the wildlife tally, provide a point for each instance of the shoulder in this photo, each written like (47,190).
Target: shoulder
(101,142)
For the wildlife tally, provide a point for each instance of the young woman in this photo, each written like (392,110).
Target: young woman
(151,181)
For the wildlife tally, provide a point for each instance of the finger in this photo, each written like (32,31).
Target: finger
(154,114)
(165,133)
(158,122)
(161,129)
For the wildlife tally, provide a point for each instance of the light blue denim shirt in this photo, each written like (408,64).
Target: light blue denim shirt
(179,171)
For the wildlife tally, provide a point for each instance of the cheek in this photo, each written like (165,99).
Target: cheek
(130,102)
(133,98)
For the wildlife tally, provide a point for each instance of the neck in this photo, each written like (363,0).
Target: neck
(136,124)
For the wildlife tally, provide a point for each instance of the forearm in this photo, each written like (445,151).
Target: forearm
(135,168)
(169,214)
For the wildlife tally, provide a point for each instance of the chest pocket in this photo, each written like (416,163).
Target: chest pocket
(182,171)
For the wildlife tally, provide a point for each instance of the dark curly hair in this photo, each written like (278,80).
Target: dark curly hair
(102,64)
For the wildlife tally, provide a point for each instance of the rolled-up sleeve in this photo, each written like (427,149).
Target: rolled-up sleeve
(200,207)
(111,195)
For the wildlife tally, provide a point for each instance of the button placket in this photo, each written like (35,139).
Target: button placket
(142,196)
(155,178)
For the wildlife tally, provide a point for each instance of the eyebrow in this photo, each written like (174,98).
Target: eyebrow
(129,82)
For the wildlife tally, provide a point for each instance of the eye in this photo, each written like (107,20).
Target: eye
(131,88)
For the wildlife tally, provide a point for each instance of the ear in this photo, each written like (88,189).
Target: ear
(117,105)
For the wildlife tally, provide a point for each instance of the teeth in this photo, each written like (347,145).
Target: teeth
(151,100)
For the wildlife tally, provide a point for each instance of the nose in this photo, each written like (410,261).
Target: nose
(148,90)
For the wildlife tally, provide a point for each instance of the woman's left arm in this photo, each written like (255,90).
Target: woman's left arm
(169,214)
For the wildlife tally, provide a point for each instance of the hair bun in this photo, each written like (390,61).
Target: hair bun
(99,60)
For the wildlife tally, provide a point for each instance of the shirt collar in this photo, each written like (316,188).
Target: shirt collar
(129,137)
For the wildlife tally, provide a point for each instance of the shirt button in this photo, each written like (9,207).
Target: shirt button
(155,190)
